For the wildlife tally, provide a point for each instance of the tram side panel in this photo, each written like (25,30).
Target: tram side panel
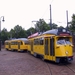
(38,47)
(22,46)
(14,45)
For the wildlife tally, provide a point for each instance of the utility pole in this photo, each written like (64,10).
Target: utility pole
(0,29)
(50,18)
(67,18)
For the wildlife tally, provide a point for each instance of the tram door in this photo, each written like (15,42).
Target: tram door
(52,50)
(18,45)
(49,48)
(31,46)
(46,46)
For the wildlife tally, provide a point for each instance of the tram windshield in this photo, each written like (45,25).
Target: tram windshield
(63,41)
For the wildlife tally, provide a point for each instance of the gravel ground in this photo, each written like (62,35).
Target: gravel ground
(15,63)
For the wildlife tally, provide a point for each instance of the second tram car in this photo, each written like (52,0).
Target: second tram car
(54,45)
(20,44)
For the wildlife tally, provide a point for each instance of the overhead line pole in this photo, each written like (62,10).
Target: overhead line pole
(50,18)
(67,19)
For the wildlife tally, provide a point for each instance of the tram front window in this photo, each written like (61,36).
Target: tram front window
(68,42)
(63,42)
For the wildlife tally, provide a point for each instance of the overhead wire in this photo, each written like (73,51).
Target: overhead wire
(47,9)
(45,12)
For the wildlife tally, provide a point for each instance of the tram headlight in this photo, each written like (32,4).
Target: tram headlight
(66,52)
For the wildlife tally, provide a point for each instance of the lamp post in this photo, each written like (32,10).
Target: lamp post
(2,17)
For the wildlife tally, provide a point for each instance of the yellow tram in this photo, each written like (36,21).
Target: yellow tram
(20,44)
(54,45)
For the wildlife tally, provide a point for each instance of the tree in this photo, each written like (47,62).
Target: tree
(72,26)
(4,35)
(41,26)
(60,27)
(31,31)
(12,33)
(54,26)
(18,32)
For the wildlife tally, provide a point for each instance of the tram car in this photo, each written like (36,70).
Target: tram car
(20,44)
(53,45)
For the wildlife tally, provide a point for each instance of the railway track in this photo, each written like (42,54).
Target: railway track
(70,68)
(60,70)
(50,72)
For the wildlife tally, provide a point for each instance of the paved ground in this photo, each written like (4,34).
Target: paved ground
(15,63)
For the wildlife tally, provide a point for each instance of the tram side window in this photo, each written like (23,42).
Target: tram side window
(41,41)
(36,42)
(27,43)
(21,43)
(6,43)
(15,43)
(11,43)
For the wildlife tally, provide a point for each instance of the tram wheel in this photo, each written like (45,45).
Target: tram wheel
(42,57)
(35,55)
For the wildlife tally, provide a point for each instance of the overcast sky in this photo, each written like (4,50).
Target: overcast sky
(23,12)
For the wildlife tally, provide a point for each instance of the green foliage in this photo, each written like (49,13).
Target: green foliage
(41,26)
(72,26)
(19,32)
(31,31)
(60,27)
(54,26)
(12,35)
(4,35)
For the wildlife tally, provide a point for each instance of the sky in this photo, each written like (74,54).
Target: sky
(23,12)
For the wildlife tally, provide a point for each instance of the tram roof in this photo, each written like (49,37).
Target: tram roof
(7,40)
(57,31)
(53,31)
(23,39)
